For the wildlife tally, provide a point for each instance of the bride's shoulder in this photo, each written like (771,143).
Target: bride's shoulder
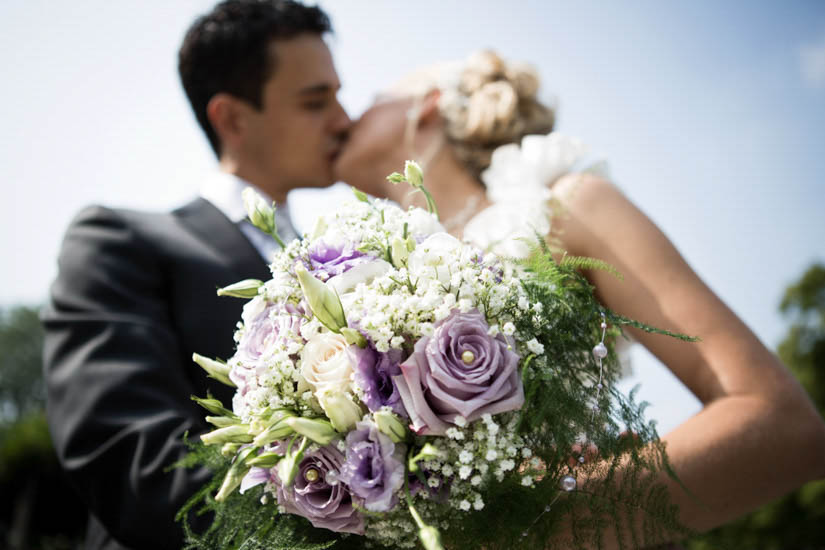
(583,187)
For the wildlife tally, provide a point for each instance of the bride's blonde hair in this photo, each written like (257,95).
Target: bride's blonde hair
(485,102)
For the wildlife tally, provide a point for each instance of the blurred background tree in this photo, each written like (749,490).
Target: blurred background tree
(21,382)
(39,510)
(796,521)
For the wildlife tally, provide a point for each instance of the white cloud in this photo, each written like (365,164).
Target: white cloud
(812,63)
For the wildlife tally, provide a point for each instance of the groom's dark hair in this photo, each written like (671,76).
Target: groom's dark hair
(227,50)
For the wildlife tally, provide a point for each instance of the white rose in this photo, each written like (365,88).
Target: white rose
(339,407)
(361,273)
(325,363)
(430,259)
(422,222)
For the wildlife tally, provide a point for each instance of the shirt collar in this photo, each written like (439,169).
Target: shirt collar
(225,190)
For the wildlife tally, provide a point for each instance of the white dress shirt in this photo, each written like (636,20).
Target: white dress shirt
(224,192)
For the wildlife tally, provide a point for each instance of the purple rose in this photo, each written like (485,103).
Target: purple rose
(311,496)
(265,326)
(374,469)
(328,259)
(459,371)
(373,374)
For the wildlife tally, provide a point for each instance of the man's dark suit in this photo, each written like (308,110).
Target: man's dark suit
(134,298)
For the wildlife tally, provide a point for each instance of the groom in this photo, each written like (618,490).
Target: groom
(135,295)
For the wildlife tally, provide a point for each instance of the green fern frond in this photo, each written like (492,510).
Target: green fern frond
(582,262)
(621,320)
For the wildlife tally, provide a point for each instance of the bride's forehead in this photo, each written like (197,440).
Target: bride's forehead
(388,96)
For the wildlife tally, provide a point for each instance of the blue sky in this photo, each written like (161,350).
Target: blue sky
(711,116)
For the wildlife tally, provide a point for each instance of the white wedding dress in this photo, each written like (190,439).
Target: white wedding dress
(518,184)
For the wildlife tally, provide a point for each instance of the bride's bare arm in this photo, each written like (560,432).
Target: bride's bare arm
(758,435)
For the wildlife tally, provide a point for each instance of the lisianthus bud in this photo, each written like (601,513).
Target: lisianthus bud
(390,425)
(399,252)
(427,452)
(222,421)
(248,288)
(214,406)
(239,433)
(430,538)
(214,368)
(265,460)
(317,429)
(323,301)
(260,213)
(360,195)
(395,178)
(413,174)
(236,472)
(277,430)
(342,411)
(288,466)
(230,449)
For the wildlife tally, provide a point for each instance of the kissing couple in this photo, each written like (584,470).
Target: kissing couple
(135,294)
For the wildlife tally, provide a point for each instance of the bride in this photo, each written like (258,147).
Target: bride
(758,436)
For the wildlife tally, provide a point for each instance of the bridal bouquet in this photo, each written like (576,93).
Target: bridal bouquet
(396,386)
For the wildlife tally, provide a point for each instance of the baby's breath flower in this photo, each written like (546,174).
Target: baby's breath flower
(535,347)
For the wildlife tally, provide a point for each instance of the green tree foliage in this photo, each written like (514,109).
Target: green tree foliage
(21,380)
(796,521)
(38,508)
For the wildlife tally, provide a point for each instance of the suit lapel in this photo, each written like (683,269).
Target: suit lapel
(217,231)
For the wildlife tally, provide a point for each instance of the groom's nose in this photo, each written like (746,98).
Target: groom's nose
(341,120)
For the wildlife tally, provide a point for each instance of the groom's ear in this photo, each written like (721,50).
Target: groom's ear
(226,114)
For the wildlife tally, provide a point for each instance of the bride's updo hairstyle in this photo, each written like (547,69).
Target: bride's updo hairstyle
(485,102)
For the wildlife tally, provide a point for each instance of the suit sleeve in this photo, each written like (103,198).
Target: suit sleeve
(118,395)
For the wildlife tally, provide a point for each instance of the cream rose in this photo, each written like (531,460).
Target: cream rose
(325,363)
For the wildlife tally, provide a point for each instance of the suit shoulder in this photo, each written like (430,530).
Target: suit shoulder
(104,216)
(97,224)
